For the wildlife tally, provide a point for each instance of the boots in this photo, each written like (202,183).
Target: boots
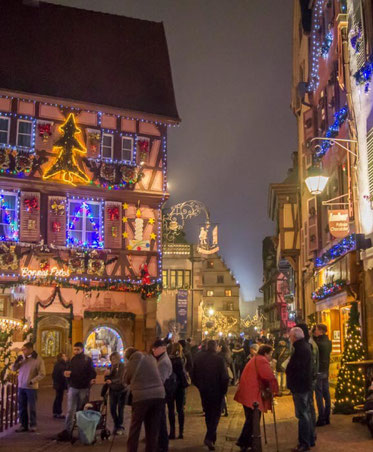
(181,425)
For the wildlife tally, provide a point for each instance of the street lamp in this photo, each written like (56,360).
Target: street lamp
(211,312)
(316,180)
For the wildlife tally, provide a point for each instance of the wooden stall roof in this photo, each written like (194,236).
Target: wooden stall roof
(87,56)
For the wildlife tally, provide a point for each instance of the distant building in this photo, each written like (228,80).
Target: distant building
(195,282)
(250,307)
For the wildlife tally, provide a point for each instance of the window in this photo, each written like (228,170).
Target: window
(210,293)
(172,279)
(84,228)
(210,264)
(187,279)
(24,133)
(165,278)
(228,293)
(8,216)
(127,149)
(4,130)
(179,279)
(107,146)
(220,279)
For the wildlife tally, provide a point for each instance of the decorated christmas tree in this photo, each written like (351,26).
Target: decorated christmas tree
(65,164)
(350,389)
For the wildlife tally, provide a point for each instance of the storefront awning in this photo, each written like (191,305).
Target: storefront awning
(331,302)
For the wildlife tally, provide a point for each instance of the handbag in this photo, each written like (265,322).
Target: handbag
(185,379)
(265,393)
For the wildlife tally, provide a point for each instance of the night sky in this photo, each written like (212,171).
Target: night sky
(231,62)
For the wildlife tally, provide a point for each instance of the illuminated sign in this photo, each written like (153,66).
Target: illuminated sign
(339,225)
(54,272)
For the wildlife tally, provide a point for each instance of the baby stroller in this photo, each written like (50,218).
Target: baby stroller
(92,419)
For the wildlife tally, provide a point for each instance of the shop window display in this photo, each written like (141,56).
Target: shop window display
(101,342)
(50,343)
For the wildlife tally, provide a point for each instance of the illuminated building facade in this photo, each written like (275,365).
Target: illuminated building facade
(83,175)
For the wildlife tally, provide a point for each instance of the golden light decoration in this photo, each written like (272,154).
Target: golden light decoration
(214,323)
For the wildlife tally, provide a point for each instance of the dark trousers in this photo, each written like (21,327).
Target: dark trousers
(163,433)
(312,411)
(302,413)
(57,404)
(117,402)
(149,412)
(179,400)
(27,407)
(212,415)
(246,437)
(323,395)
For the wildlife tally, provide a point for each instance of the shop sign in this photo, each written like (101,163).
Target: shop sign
(339,225)
(51,272)
(182,310)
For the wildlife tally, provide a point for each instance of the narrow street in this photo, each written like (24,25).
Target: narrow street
(340,436)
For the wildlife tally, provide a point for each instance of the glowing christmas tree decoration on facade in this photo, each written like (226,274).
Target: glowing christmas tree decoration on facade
(66,164)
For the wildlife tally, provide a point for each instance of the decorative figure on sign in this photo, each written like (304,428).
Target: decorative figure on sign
(203,236)
(65,164)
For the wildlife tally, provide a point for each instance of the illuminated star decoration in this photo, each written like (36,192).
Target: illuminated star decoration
(124,219)
(66,164)
(151,220)
(153,236)
(125,235)
(125,206)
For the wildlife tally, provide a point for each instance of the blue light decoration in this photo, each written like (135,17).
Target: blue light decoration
(333,131)
(329,289)
(364,75)
(326,44)
(7,219)
(340,249)
(317,13)
(97,241)
(343,6)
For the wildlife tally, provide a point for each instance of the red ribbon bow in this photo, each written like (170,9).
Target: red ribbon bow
(144,145)
(31,204)
(113,213)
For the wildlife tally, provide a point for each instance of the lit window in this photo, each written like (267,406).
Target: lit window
(187,279)
(228,293)
(24,133)
(210,293)
(210,264)
(107,146)
(220,279)
(8,217)
(84,227)
(4,130)
(172,279)
(165,279)
(127,149)
(179,279)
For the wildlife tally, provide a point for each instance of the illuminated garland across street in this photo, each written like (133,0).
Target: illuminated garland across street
(338,250)
(332,132)
(328,289)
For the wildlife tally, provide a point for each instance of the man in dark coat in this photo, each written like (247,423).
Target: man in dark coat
(211,378)
(322,384)
(299,382)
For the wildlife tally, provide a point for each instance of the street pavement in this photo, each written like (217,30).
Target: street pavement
(341,435)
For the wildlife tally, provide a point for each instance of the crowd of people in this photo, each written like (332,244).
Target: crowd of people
(155,383)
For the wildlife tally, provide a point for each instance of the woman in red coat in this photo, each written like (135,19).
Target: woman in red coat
(256,376)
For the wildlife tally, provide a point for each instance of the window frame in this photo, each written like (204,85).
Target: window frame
(228,290)
(165,279)
(16,214)
(209,293)
(132,149)
(24,134)
(111,135)
(7,131)
(84,224)
(220,279)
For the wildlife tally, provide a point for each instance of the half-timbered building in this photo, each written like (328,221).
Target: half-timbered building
(85,103)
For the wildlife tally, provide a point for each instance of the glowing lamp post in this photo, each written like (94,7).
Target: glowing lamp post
(316,181)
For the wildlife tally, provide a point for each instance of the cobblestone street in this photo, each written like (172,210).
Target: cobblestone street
(340,436)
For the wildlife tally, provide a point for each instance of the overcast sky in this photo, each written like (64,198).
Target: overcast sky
(231,65)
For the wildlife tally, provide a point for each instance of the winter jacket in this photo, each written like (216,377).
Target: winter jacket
(82,371)
(117,378)
(210,375)
(145,381)
(178,368)
(31,370)
(164,366)
(239,357)
(315,360)
(59,380)
(299,369)
(325,349)
(256,376)
(281,354)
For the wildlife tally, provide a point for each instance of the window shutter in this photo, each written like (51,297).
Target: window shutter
(313,241)
(113,224)
(370,160)
(30,217)
(330,94)
(357,21)
(309,124)
(56,232)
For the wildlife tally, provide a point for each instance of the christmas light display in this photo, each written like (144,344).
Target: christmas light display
(82,213)
(317,13)
(326,44)
(332,132)
(350,390)
(214,323)
(329,289)
(10,219)
(338,250)
(364,75)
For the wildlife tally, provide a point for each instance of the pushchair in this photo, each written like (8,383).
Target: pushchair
(85,418)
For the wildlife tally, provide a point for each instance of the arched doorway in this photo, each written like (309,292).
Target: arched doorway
(101,341)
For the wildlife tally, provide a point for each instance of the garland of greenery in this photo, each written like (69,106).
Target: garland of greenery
(329,289)
(108,315)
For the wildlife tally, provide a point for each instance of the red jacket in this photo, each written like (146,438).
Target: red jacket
(257,375)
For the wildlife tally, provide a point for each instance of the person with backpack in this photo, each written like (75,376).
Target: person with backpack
(159,351)
(148,397)
(59,384)
(117,391)
(81,375)
(178,398)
